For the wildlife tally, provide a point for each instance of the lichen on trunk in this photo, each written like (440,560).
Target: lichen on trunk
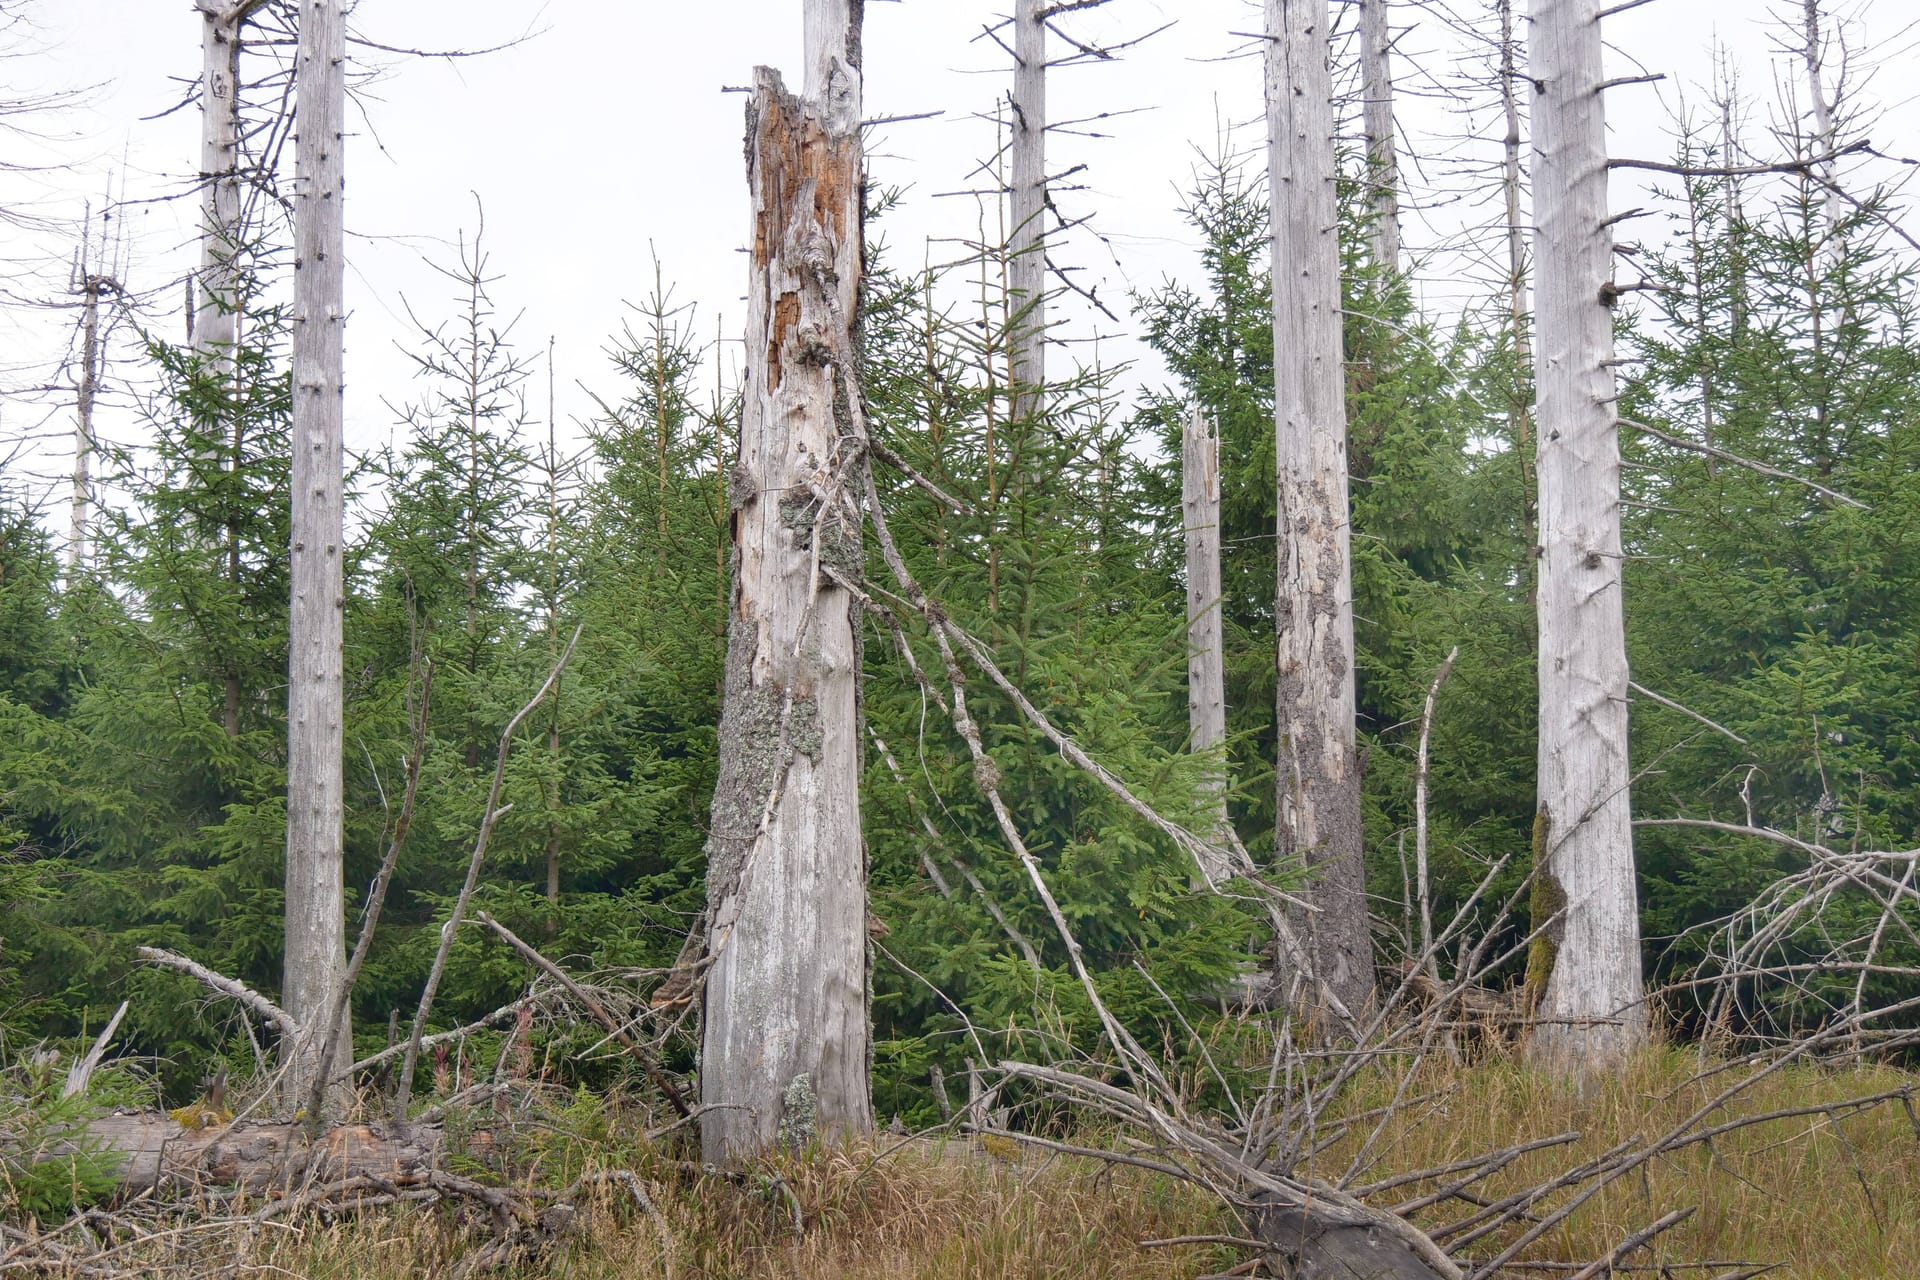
(784,945)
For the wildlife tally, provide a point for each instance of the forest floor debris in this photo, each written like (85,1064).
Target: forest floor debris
(1829,1188)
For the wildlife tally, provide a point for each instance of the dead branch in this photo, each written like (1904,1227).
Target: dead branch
(1689,712)
(233,989)
(80,1075)
(1806,165)
(491,815)
(377,897)
(1635,1241)
(591,1003)
(1711,451)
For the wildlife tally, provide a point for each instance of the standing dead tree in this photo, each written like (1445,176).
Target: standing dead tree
(1027,249)
(214,321)
(1206,639)
(1318,774)
(1383,165)
(316,933)
(1585,970)
(1519,299)
(91,282)
(786,1041)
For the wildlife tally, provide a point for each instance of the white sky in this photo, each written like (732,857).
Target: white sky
(607,137)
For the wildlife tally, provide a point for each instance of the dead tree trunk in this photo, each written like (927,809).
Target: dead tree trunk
(1519,305)
(316,933)
(216,300)
(164,1159)
(1383,164)
(91,286)
(1318,771)
(1821,110)
(786,1045)
(214,318)
(1206,647)
(1027,249)
(1587,970)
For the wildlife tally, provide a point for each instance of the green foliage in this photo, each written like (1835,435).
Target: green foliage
(142,726)
(1438,535)
(1784,335)
(49,1164)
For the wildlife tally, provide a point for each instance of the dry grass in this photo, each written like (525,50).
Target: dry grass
(919,1213)
(1827,1198)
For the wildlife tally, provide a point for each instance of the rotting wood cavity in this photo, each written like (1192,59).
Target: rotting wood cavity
(786,314)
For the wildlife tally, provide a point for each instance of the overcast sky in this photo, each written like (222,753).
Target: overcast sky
(606,137)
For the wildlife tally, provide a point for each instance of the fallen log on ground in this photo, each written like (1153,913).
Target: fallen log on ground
(162,1156)
(1328,1242)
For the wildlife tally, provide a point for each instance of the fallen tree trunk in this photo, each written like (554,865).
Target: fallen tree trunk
(1326,1242)
(163,1157)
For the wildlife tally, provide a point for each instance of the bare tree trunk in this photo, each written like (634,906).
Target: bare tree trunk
(216,301)
(553,797)
(88,386)
(1206,646)
(214,321)
(786,1047)
(1318,775)
(1027,248)
(1736,212)
(316,942)
(1519,304)
(1383,164)
(1591,1005)
(1824,134)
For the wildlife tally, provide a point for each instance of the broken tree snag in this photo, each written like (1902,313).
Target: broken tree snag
(1591,1011)
(1206,646)
(1318,773)
(785,1047)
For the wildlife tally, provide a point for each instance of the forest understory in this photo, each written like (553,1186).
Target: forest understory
(1828,1187)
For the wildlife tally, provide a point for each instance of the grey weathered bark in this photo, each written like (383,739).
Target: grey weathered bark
(1206,646)
(214,315)
(316,932)
(1822,111)
(161,1158)
(1318,770)
(786,1047)
(1519,304)
(216,300)
(1591,1009)
(1423,879)
(1027,250)
(86,387)
(1376,87)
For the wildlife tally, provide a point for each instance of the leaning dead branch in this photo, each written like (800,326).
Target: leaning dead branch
(491,815)
(231,988)
(588,1001)
(1760,468)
